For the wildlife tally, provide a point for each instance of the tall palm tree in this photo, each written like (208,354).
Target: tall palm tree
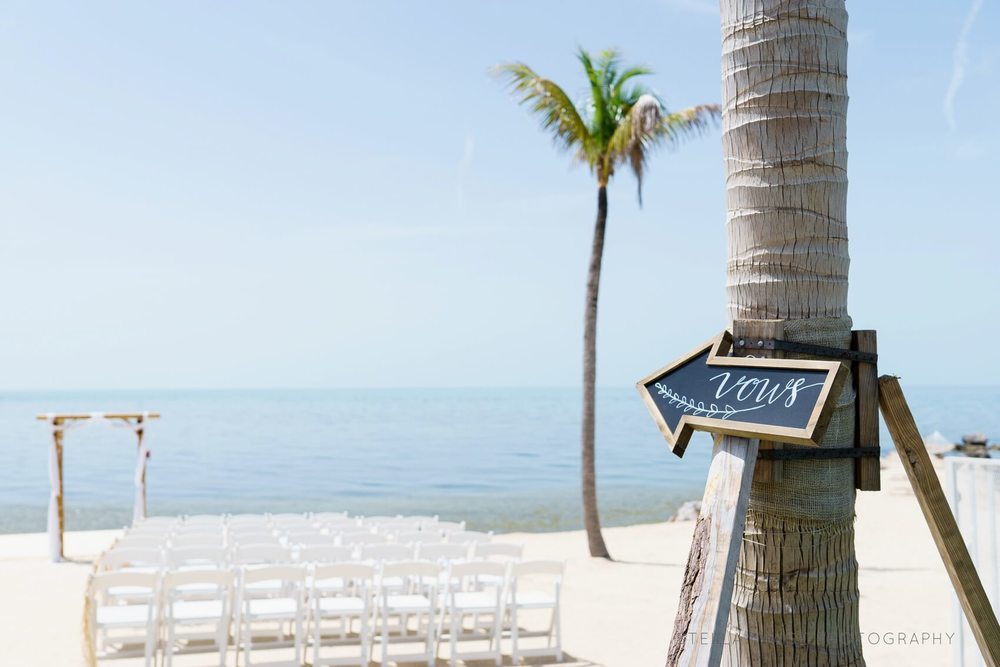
(619,122)
(784,121)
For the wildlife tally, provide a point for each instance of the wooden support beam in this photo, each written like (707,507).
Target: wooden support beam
(107,415)
(940,520)
(60,497)
(707,592)
(765,471)
(867,471)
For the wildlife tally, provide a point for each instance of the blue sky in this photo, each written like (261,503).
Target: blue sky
(264,194)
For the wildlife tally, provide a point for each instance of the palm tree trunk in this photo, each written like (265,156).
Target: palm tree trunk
(591,518)
(784,65)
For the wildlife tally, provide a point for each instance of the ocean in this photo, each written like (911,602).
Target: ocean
(501,459)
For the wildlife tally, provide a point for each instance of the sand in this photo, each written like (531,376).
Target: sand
(615,614)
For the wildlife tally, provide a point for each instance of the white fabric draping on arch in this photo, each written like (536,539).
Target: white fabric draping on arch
(139,502)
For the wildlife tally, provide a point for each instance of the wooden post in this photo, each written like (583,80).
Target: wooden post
(765,471)
(940,520)
(139,433)
(867,471)
(707,592)
(57,435)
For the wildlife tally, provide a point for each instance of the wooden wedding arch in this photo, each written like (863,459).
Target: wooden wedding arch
(62,422)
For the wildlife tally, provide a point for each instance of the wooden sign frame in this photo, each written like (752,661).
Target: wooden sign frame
(718,349)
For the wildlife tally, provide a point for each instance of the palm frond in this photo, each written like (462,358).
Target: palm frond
(557,112)
(646,126)
(690,122)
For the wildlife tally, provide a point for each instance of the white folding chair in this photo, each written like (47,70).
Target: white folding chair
(324,554)
(361,539)
(190,622)
(310,538)
(416,602)
(442,553)
(468,537)
(398,526)
(418,537)
(374,521)
(141,542)
(204,519)
(341,594)
(474,591)
(259,554)
(187,540)
(119,630)
(285,604)
(379,553)
(126,558)
(196,557)
(331,517)
(502,551)
(246,539)
(526,592)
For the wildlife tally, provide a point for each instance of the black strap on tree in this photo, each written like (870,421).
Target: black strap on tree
(791,453)
(745,346)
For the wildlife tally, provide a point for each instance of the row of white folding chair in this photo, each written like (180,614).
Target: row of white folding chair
(122,557)
(276,594)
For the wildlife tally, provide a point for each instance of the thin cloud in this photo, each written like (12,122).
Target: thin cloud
(960,61)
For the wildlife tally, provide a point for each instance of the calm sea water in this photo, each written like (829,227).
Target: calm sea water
(502,459)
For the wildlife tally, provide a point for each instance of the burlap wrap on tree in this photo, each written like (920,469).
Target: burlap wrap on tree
(822,489)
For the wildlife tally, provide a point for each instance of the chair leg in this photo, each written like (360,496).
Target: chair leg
(513,635)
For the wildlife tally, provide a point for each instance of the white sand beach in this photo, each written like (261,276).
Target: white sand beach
(615,614)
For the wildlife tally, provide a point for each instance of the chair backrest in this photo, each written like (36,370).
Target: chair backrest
(157,521)
(202,519)
(260,553)
(497,550)
(244,539)
(324,553)
(310,538)
(101,582)
(179,584)
(476,576)
(384,552)
(357,539)
(331,517)
(417,576)
(443,552)
(418,537)
(285,574)
(198,556)
(141,542)
(468,537)
(393,527)
(183,541)
(121,558)
(376,520)
(352,578)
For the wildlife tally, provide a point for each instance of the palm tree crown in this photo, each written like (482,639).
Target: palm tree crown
(621,121)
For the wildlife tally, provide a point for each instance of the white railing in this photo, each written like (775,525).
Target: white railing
(973,490)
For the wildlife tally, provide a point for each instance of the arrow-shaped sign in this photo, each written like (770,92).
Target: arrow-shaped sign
(783,400)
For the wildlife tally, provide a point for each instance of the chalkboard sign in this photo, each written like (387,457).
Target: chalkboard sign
(782,400)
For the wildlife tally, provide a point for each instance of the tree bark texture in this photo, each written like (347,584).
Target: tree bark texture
(784,83)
